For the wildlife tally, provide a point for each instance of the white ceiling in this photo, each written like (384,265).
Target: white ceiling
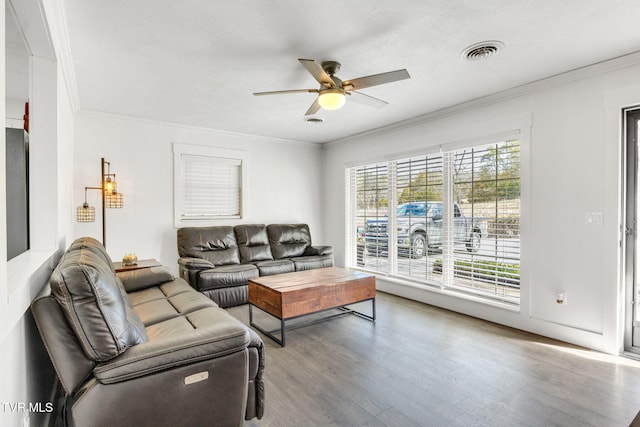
(197,62)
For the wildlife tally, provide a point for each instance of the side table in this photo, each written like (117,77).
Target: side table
(142,263)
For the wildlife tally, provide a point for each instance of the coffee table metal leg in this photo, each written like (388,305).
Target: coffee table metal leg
(344,311)
(264,331)
(372,318)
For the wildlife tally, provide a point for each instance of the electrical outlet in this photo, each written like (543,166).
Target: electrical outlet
(561,298)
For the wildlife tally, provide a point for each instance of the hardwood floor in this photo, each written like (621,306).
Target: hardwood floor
(423,366)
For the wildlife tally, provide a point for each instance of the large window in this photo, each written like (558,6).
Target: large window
(449,219)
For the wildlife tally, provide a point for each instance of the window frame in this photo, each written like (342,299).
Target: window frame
(225,155)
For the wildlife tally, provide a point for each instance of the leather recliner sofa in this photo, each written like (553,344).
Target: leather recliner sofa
(219,261)
(144,348)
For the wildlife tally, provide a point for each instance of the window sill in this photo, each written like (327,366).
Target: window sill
(209,222)
(27,274)
(23,268)
(449,292)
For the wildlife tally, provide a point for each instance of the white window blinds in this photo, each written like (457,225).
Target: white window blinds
(209,184)
(212,187)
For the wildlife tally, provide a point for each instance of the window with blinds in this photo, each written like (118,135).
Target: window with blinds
(455,222)
(208,184)
(372,208)
(418,189)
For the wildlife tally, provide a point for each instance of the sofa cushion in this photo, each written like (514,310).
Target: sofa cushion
(72,364)
(319,250)
(278,266)
(158,304)
(207,333)
(163,291)
(155,311)
(288,240)
(91,244)
(228,297)
(195,263)
(90,296)
(253,242)
(312,262)
(215,244)
(225,276)
(134,280)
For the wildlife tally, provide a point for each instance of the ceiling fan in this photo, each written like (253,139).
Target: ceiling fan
(333,91)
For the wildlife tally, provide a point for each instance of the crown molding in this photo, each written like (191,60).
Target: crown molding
(114,116)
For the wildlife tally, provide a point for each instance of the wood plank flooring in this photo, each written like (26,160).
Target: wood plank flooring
(423,366)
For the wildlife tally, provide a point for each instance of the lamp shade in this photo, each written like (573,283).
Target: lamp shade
(331,99)
(85,213)
(110,186)
(114,201)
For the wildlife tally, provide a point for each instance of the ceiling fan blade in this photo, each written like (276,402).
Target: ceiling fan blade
(361,98)
(315,107)
(317,72)
(376,79)
(280,92)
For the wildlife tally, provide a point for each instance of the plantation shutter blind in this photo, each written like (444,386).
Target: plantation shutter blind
(352,234)
(372,205)
(211,187)
(419,188)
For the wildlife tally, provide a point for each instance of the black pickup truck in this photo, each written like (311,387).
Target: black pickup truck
(420,229)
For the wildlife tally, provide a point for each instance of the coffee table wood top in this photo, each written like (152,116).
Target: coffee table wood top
(304,292)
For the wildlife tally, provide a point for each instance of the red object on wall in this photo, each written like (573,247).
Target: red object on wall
(26,116)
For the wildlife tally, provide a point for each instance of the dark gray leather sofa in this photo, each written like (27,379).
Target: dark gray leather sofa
(144,348)
(219,261)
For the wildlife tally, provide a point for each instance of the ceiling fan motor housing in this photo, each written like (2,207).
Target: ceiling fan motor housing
(331,67)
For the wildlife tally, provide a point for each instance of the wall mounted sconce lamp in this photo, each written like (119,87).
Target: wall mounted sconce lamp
(110,198)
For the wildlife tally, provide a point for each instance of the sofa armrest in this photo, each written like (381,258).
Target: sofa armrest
(256,341)
(215,334)
(195,263)
(319,250)
(256,408)
(134,280)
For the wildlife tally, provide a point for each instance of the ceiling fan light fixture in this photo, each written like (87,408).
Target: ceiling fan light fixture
(331,99)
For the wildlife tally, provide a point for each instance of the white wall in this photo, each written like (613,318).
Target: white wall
(14,113)
(27,375)
(574,152)
(284,181)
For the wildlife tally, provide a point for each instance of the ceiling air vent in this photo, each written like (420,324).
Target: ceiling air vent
(482,50)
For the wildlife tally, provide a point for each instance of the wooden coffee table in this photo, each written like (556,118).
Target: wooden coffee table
(291,295)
